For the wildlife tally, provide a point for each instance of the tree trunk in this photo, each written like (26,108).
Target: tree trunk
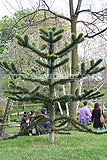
(74,69)
(52,114)
(74,56)
(51,94)
(4,117)
(52,125)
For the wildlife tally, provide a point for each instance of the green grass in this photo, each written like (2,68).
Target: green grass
(77,146)
(27,108)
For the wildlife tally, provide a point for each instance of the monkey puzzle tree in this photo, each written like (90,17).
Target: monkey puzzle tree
(49,56)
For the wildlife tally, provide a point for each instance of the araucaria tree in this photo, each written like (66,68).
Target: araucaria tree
(49,56)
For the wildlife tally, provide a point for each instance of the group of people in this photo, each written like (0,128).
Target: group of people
(27,119)
(85,114)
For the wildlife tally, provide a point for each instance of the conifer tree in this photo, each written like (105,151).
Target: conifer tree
(47,51)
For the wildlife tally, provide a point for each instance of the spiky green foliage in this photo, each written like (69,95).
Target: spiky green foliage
(43,46)
(12,82)
(26,39)
(69,47)
(34,90)
(57,38)
(42,64)
(92,62)
(12,86)
(20,40)
(45,38)
(83,68)
(85,95)
(59,32)
(48,36)
(97,69)
(51,36)
(43,31)
(42,82)
(73,36)
(5,64)
(61,63)
(38,52)
(9,68)
(52,56)
(93,69)
(14,68)
(34,44)
(93,65)
(54,28)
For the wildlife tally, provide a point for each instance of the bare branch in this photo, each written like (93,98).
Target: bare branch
(9,5)
(46,4)
(20,4)
(98,33)
(78,6)
(98,16)
(99,12)
(71,7)
(57,15)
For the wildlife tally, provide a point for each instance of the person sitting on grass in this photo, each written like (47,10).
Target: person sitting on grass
(31,116)
(44,124)
(25,114)
(24,123)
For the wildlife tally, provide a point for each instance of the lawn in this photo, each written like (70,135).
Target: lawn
(77,146)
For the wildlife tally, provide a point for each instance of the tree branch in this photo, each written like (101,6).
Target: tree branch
(78,6)
(71,7)
(96,33)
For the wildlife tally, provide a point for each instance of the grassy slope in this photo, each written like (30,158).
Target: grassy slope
(77,146)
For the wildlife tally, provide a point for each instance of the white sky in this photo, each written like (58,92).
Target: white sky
(8,7)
